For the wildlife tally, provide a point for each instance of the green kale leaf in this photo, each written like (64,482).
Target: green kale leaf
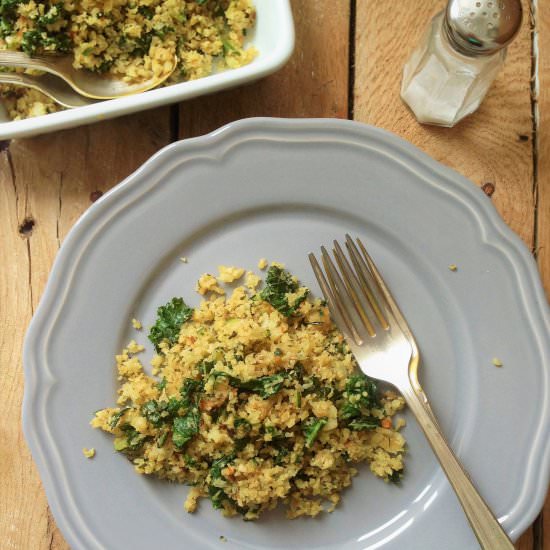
(185,427)
(364,423)
(155,411)
(117,416)
(134,439)
(312,427)
(265,386)
(360,394)
(170,318)
(217,494)
(278,284)
(395,476)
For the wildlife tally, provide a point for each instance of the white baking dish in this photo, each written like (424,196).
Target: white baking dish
(273,36)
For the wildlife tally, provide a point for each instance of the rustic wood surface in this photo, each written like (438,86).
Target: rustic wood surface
(347,64)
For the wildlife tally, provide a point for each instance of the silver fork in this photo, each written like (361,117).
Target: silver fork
(366,313)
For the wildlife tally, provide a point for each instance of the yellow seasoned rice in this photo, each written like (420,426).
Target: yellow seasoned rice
(128,39)
(257,401)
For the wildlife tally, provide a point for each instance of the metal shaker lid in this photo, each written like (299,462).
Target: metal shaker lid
(482,27)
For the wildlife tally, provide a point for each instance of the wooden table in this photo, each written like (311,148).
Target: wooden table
(347,64)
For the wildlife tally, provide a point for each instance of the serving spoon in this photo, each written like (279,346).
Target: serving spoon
(84,82)
(50,85)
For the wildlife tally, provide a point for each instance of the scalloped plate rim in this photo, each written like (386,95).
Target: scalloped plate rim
(504,239)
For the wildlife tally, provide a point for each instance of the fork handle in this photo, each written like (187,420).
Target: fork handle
(487,529)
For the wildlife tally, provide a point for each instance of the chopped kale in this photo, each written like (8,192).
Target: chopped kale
(282,453)
(265,386)
(396,476)
(9,7)
(276,435)
(205,367)
(146,11)
(185,427)
(189,460)
(174,405)
(360,394)
(104,66)
(312,428)
(117,416)
(216,494)
(241,443)
(162,439)
(170,318)
(229,47)
(364,423)
(53,15)
(314,385)
(134,439)
(242,426)
(278,284)
(142,45)
(162,384)
(297,373)
(218,413)
(6,27)
(155,411)
(189,390)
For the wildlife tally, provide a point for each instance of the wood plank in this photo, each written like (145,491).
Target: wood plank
(526,541)
(543,187)
(544,531)
(314,83)
(543,147)
(45,185)
(493,145)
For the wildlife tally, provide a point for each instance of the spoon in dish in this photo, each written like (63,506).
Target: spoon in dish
(50,85)
(84,82)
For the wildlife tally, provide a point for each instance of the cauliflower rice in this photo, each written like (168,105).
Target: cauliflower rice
(256,400)
(128,39)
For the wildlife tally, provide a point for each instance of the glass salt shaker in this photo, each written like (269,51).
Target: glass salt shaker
(449,73)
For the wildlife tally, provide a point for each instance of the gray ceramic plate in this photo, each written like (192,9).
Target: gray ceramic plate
(278,189)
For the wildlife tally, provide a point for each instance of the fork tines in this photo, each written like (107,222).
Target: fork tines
(355,292)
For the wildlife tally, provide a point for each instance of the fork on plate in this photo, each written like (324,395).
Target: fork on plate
(366,313)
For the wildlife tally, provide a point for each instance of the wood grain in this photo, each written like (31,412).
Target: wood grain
(314,83)
(45,185)
(487,146)
(543,189)
(543,143)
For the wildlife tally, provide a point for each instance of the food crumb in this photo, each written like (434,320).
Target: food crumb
(223,539)
(400,423)
(497,362)
(183,260)
(88,453)
(252,280)
(137,324)
(190,504)
(208,283)
(453,267)
(262,264)
(134,347)
(228,274)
